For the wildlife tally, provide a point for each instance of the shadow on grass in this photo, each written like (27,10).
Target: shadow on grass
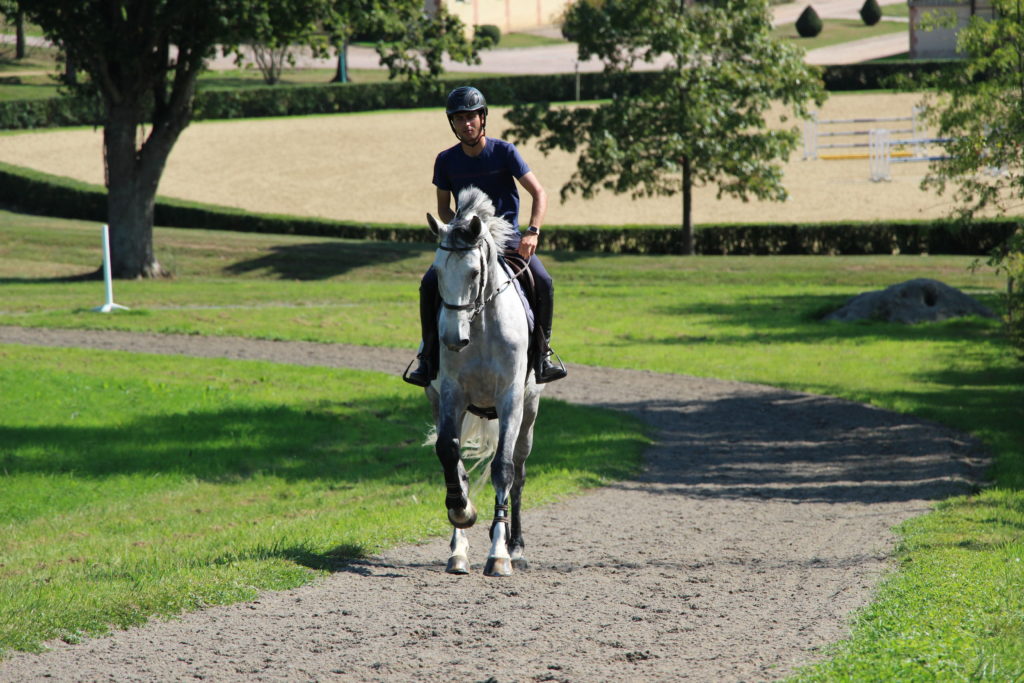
(90,276)
(799,319)
(339,443)
(324,260)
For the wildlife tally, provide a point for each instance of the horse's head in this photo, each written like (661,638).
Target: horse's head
(461,270)
(465,255)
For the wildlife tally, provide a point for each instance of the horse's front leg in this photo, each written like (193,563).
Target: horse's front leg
(510,415)
(461,512)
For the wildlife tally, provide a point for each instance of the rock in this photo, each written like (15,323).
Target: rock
(913,301)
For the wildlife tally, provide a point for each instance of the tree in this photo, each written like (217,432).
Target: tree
(143,59)
(10,10)
(809,24)
(699,120)
(979,107)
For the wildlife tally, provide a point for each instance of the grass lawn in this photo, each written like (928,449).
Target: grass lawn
(133,485)
(518,40)
(838,31)
(954,607)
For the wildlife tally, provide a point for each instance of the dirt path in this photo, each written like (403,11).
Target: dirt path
(762,520)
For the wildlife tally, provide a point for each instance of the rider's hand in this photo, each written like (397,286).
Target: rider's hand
(528,245)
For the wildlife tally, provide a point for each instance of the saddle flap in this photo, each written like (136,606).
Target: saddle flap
(513,263)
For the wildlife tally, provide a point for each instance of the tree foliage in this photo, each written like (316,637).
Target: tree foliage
(143,58)
(702,120)
(980,107)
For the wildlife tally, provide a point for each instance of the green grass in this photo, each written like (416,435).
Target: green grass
(518,40)
(743,318)
(134,485)
(838,31)
(955,610)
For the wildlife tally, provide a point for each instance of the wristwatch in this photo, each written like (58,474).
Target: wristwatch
(534,229)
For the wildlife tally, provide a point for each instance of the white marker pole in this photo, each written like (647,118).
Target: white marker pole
(109,306)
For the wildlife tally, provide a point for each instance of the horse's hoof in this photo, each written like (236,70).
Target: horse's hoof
(462,519)
(457,565)
(520,563)
(498,566)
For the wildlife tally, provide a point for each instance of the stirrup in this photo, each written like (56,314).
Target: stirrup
(559,370)
(423,380)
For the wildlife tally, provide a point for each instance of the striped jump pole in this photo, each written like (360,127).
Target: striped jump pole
(882,155)
(813,135)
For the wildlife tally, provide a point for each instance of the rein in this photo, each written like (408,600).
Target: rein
(480,303)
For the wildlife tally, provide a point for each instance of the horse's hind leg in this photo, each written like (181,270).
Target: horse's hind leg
(524,444)
(458,561)
(499,561)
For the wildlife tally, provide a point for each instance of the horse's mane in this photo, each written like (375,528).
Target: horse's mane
(472,201)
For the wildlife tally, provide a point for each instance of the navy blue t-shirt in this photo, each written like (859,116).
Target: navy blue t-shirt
(494,171)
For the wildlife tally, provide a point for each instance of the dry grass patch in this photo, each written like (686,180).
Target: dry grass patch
(378,167)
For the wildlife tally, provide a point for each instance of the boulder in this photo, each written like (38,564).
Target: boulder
(913,301)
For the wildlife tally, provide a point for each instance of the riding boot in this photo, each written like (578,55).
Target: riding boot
(428,356)
(547,371)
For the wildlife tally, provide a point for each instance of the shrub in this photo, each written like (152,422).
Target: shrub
(809,23)
(870,12)
(489,31)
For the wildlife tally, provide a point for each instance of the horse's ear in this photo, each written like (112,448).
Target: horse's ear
(475,226)
(434,226)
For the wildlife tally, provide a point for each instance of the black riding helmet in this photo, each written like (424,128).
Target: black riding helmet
(466,98)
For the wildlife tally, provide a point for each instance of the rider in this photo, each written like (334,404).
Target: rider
(493,166)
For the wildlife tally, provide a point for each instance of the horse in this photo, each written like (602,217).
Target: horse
(484,377)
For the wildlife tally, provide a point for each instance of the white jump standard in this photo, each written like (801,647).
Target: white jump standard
(109,306)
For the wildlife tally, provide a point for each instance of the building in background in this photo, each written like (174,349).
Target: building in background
(941,42)
(508,15)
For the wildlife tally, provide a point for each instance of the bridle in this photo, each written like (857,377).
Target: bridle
(478,306)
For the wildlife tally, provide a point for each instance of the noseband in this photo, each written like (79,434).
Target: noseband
(479,304)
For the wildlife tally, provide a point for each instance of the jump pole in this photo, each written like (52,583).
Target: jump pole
(882,155)
(108,281)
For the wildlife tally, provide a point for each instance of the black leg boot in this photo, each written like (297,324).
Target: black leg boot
(428,356)
(547,371)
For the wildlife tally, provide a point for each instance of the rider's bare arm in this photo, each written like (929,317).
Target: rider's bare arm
(444,206)
(540,199)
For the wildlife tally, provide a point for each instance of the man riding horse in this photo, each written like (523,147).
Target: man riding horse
(494,166)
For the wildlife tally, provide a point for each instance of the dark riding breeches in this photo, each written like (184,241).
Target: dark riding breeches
(544,306)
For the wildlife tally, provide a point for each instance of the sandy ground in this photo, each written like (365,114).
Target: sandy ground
(378,168)
(761,521)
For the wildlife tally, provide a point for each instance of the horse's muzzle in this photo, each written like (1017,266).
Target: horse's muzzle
(458,346)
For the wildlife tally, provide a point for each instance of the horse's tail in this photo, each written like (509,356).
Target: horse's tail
(479,441)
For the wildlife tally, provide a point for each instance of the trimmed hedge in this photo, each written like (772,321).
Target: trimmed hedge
(32,191)
(333,98)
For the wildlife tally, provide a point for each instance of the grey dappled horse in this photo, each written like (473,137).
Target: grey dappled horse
(485,339)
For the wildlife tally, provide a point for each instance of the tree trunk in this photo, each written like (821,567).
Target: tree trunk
(341,74)
(19,32)
(688,243)
(133,175)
